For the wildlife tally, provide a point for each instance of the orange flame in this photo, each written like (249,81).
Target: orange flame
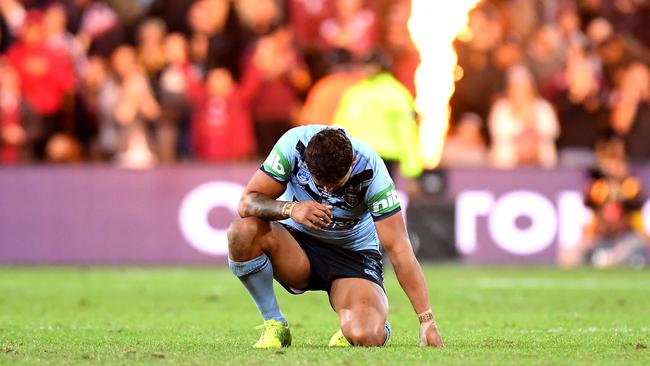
(433,26)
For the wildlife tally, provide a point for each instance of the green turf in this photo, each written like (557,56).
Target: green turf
(201,316)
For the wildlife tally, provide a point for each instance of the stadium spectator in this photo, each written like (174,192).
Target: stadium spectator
(277,102)
(216,39)
(63,148)
(88,105)
(481,79)
(325,96)
(19,125)
(305,19)
(130,12)
(353,27)
(396,40)
(134,109)
(222,127)
(173,12)
(569,27)
(46,79)
(58,37)
(545,58)
(630,115)
(13,14)
(522,17)
(106,85)
(151,54)
(615,235)
(598,30)
(631,17)
(542,35)
(379,111)
(5,37)
(180,88)
(100,29)
(581,112)
(465,146)
(259,18)
(523,126)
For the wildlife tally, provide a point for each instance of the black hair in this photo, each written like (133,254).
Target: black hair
(329,155)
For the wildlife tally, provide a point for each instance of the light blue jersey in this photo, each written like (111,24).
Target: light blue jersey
(369,195)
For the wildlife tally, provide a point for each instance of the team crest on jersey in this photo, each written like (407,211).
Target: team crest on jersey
(351,197)
(303,176)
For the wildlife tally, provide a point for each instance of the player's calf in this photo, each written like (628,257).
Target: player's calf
(253,267)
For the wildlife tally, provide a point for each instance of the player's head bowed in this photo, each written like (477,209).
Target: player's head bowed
(329,156)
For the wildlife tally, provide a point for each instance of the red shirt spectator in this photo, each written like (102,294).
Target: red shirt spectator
(277,101)
(19,127)
(306,17)
(11,133)
(222,128)
(46,74)
(353,28)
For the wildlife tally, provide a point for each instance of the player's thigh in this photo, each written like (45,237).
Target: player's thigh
(290,263)
(359,302)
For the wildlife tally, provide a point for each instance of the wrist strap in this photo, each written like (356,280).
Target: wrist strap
(287,209)
(426,316)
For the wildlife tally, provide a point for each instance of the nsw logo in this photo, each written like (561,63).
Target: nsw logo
(303,176)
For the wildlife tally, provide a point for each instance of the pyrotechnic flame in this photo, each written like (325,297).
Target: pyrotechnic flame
(434,25)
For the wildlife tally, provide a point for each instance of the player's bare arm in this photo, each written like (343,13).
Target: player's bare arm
(393,237)
(260,200)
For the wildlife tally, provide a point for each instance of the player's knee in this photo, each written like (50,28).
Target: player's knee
(241,236)
(362,333)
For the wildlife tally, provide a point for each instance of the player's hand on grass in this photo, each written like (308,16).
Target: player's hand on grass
(429,333)
(312,214)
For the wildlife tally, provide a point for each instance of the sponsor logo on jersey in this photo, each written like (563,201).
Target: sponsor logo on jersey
(339,223)
(384,201)
(277,164)
(372,273)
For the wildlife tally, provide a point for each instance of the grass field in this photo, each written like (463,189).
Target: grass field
(501,316)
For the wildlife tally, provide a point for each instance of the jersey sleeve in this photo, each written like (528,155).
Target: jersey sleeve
(381,197)
(281,158)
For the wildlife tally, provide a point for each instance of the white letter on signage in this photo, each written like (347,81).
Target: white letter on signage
(470,205)
(531,240)
(193,215)
(573,216)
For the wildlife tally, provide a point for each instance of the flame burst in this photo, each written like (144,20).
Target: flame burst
(433,26)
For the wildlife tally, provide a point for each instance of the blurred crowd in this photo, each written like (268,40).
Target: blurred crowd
(143,82)
(157,81)
(541,83)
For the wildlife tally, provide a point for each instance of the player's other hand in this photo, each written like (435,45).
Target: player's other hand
(430,335)
(312,214)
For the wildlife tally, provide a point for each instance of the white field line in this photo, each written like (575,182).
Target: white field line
(561,330)
(558,330)
(546,283)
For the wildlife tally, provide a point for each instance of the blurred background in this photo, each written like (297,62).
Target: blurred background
(128,128)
